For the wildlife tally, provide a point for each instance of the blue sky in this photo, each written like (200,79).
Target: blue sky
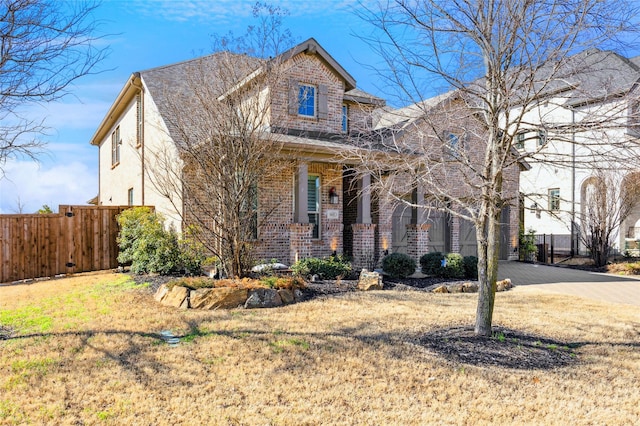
(146,34)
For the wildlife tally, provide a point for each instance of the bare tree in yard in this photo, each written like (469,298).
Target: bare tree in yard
(221,120)
(501,65)
(45,45)
(607,200)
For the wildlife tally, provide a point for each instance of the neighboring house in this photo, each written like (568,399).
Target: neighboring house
(317,206)
(581,134)
(449,147)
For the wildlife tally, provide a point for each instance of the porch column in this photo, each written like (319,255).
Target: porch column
(385,227)
(418,229)
(455,234)
(364,199)
(301,195)
(364,241)
(301,231)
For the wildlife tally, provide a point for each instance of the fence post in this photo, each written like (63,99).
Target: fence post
(552,244)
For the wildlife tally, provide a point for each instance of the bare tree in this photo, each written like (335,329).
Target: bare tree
(220,119)
(607,201)
(45,45)
(499,67)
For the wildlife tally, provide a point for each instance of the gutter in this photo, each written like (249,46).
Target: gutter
(126,94)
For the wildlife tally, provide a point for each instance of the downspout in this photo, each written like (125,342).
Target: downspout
(137,82)
(574,239)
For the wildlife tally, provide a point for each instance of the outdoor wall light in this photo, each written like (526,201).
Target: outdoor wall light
(386,252)
(333,196)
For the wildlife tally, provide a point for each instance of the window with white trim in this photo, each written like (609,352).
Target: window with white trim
(307,100)
(520,140)
(542,137)
(130,197)
(554,199)
(115,147)
(454,145)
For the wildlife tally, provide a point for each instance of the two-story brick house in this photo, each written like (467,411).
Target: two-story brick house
(316,205)
(317,104)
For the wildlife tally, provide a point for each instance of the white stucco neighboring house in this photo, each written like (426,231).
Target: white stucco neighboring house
(583,131)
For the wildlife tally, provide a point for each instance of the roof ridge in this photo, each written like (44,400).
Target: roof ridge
(186,61)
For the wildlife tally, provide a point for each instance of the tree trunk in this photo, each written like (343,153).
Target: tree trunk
(487,272)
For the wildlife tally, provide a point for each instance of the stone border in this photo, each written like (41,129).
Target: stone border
(225,297)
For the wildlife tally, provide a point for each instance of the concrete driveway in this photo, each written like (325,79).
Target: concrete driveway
(604,287)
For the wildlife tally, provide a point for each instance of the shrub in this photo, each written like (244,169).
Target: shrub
(398,265)
(148,247)
(328,268)
(470,265)
(453,267)
(450,265)
(431,263)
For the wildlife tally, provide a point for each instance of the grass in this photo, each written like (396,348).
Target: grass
(89,350)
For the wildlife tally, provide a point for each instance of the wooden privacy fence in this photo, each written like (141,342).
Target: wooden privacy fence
(77,239)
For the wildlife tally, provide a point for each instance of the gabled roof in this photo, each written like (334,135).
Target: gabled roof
(168,84)
(312,47)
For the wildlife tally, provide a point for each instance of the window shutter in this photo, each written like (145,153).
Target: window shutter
(312,194)
(294,102)
(323,107)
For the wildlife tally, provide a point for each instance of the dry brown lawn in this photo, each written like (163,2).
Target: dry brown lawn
(89,350)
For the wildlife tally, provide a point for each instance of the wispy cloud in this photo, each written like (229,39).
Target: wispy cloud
(224,12)
(31,186)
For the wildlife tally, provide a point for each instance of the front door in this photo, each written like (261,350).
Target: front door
(401,218)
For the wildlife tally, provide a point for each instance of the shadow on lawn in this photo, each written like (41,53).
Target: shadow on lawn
(505,349)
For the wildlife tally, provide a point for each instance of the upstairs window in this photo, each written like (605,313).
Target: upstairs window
(554,199)
(115,147)
(520,141)
(345,118)
(130,196)
(542,137)
(307,100)
(453,145)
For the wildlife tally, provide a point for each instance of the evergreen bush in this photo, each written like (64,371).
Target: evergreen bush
(327,269)
(470,264)
(147,246)
(453,267)
(431,263)
(398,265)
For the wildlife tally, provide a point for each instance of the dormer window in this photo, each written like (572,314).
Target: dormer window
(307,100)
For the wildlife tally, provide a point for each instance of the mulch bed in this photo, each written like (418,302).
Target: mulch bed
(505,348)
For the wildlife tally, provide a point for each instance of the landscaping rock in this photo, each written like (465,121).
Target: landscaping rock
(161,293)
(469,288)
(286,296)
(440,289)
(263,298)
(369,281)
(175,297)
(455,288)
(218,298)
(504,285)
